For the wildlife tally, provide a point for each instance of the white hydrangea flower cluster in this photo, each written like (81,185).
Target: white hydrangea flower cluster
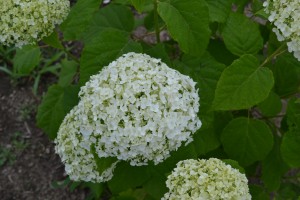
(27,21)
(75,152)
(136,109)
(285,15)
(206,179)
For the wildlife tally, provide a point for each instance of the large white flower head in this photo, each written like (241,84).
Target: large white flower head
(139,109)
(206,180)
(285,15)
(27,21)
(76,153)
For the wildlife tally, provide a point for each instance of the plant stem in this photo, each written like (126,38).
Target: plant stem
(157,30)
(274,54)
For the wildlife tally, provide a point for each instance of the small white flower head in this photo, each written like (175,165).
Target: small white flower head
(25,22)
(206,180)
(139,109)
(75,151)
(285,15)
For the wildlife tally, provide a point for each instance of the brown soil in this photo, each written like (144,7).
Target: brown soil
(31,166)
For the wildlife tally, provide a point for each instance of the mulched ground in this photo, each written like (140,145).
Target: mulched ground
(28,163)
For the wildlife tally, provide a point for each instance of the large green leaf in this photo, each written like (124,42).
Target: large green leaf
(273,168)
(102,163)
(187,23)
(206,71)
(243,84)
(290,148)
(53,40)
(158,51)
(79,17)
(68,70)
(112,16)
(247,140)
(241,36)
(286,71)
(127,176)
(140,5)
(293,114)
(57,102)
(219,10)
(26,59)
(103,49)
(271,105)
(156,185)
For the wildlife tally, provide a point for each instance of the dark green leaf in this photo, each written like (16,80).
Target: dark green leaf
(55,105)
(234,164)
(103,49)
(26,59)
(102,163)
(271,105)
(158,51)
(247,140)
(219,10)
(243,84)
(186,24)
(53,40)
(258,193)
(242,36)
(79,17)
(140,5)
(156,186)
(273,168)
(286,75)
(112,16)
(290,148)
(206,140)
(127,176)
(293,114)
(68,70)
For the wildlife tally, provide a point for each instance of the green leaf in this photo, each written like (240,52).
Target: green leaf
(53,40)
(112,16)
(55,105)
(234,164)
(243,84)
(219,10)
(293,114)
(186,24)
(102,163)
(290,148)
(258,193)
(271,105)
(241,36)
(286,74)
(26,59)
(206,140)
(127,176)
(68,70)
(206,71)
(247,140)
(79,17)
(140,5)
(158,51)
(156,185)
(103,49)
(273,168)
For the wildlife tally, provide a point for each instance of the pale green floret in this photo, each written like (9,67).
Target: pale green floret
(285,15)
(25,22)
(75,151)
(206,180)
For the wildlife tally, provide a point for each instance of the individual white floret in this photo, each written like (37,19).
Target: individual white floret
(285,15)
(206,180)
(28,21)
(75,151)
(139,109)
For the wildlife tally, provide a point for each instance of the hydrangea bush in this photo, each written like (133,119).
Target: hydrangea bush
(206,179)
(126,107)
(25,22)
